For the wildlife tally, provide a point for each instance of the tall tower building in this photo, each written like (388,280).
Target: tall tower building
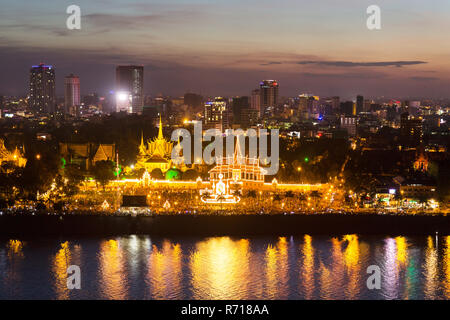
(42,89)
(238,105)
(411,130)
(216,114)
(359,104)
(269,94)
(335,103)
(348,108)
(349,123)
(255,102)
(307,105)
(71,92)
(367,105)
(129,89)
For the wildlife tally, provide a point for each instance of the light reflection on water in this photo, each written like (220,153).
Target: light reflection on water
(302,267)
(447,267)
(165,271)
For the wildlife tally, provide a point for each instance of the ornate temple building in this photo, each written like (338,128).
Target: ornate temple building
(238,170)
(15,157)
(156,153)
(86,155)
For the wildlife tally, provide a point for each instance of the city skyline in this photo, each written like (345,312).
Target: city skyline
(220,49)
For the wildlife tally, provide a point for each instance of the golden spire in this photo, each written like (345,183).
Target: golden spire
(142,138)
(160,132)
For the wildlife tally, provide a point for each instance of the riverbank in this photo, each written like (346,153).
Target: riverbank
(218,225)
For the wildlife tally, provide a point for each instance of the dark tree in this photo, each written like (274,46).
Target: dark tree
(104,172)
(190,175)
(157,174)
(74,176)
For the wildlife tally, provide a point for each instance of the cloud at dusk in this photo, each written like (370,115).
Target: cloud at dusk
(364,64)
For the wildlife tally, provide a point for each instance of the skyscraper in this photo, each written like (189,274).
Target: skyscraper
(359,104)
(238,105)
(335,103)
(255,102)
(411,130)
(307,105)
(71,92)
(348,108)
(367,105)
(269,94)
(129,89)
(348,123)
(42,89)
(216,114)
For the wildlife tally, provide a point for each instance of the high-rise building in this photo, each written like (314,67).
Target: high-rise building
(216,114)
(255,102)
(129,89)
(303,104)
(348,108)
(307,105)
(411,130)
(42,89)
(71,93)
(335,103)
(367,105)
(348,123)
(249,118)
(269,94)
(359,104)
(237,106)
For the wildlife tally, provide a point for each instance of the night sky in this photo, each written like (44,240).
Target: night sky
(226,47)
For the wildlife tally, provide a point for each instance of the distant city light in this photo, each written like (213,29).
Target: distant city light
(122,96)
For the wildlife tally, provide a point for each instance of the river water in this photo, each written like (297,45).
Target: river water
(297,267)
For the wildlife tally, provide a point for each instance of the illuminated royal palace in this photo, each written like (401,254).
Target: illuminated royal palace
(231,179)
